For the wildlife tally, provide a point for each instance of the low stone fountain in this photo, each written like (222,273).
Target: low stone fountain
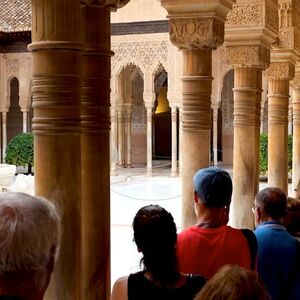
(7,173)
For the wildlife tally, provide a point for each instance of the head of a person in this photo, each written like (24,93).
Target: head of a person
(213,189)
(292,218)
(270,204)
(233,283)
(29,239)
(155,236)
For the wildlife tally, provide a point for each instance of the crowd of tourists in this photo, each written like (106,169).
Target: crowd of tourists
(207,261)
(212,260)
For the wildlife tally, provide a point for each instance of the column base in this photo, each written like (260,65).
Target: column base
(173,174)
(149,173)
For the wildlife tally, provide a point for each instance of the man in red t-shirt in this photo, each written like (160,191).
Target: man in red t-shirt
(210,244)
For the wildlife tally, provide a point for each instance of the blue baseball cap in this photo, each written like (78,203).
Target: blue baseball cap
(213,186)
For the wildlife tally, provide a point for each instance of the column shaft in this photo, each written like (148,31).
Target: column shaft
(278,101)
(114,141)
(128,142)
(149,141)
(174,142)
(245,155)
(296,138)
(196,89)
(4,133)
(180,140)
(120,137)
(95,154)
(25,121)
(56,126)
(215,135)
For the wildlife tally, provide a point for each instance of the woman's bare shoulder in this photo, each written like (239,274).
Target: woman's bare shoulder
(119,291)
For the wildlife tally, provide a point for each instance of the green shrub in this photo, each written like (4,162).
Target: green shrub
(263,156)
(19,151)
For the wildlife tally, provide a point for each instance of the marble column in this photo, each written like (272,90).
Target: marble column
(149,141)
(174,141)
(121,159)
(247,49)
(180,141)
(128,137)
(4,133)
(95,156)
(196,28)
(114,141)
(246,145)
(25,120)
(196,90)
(215,134)
(56,62)
(279,75)
(296,135)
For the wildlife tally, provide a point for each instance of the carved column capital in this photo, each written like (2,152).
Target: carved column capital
(196,33)
(255,56)
(280,70)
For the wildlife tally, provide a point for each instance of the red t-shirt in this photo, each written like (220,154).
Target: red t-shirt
(204,250)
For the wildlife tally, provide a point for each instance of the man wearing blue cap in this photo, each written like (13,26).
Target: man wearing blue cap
(210,244)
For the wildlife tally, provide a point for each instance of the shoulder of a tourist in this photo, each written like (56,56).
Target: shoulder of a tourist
(184,233)
(119,291)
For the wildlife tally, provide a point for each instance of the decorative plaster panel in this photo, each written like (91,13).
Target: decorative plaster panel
(247,14)
(144,54)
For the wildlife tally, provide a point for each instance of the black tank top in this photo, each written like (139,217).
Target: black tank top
(140,288)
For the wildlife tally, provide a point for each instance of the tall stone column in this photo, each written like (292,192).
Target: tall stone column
(180,140)
(149,141)
(128,137)
(279,75)
(25,120)
(114,140)
(248,38)
(215,134)
(56,126)
(296,133)
(4,133)
(196,89)
(246,145)
(196,28)
(174,141)
(95,156)
(121,159)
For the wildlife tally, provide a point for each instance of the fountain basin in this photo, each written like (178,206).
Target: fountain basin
(7,173)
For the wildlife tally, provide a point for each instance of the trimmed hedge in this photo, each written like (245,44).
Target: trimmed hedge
(263,156)
(19,151)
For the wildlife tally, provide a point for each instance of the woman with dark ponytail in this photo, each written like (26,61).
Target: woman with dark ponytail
(155,236)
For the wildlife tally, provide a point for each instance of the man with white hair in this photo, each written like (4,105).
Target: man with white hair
(29,238)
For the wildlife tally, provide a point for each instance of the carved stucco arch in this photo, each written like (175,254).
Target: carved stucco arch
(6,105)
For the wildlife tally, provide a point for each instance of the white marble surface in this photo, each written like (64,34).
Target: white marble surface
(127,197)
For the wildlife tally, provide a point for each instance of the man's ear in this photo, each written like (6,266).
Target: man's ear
(258,215)
(196,198)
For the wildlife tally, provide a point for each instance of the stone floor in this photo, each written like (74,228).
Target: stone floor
(130,191)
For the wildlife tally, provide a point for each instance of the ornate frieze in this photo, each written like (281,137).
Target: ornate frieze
(196,33)
(144,54)
(280,70)
(247,56)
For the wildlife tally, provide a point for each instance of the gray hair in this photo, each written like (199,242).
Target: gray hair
(29,231)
